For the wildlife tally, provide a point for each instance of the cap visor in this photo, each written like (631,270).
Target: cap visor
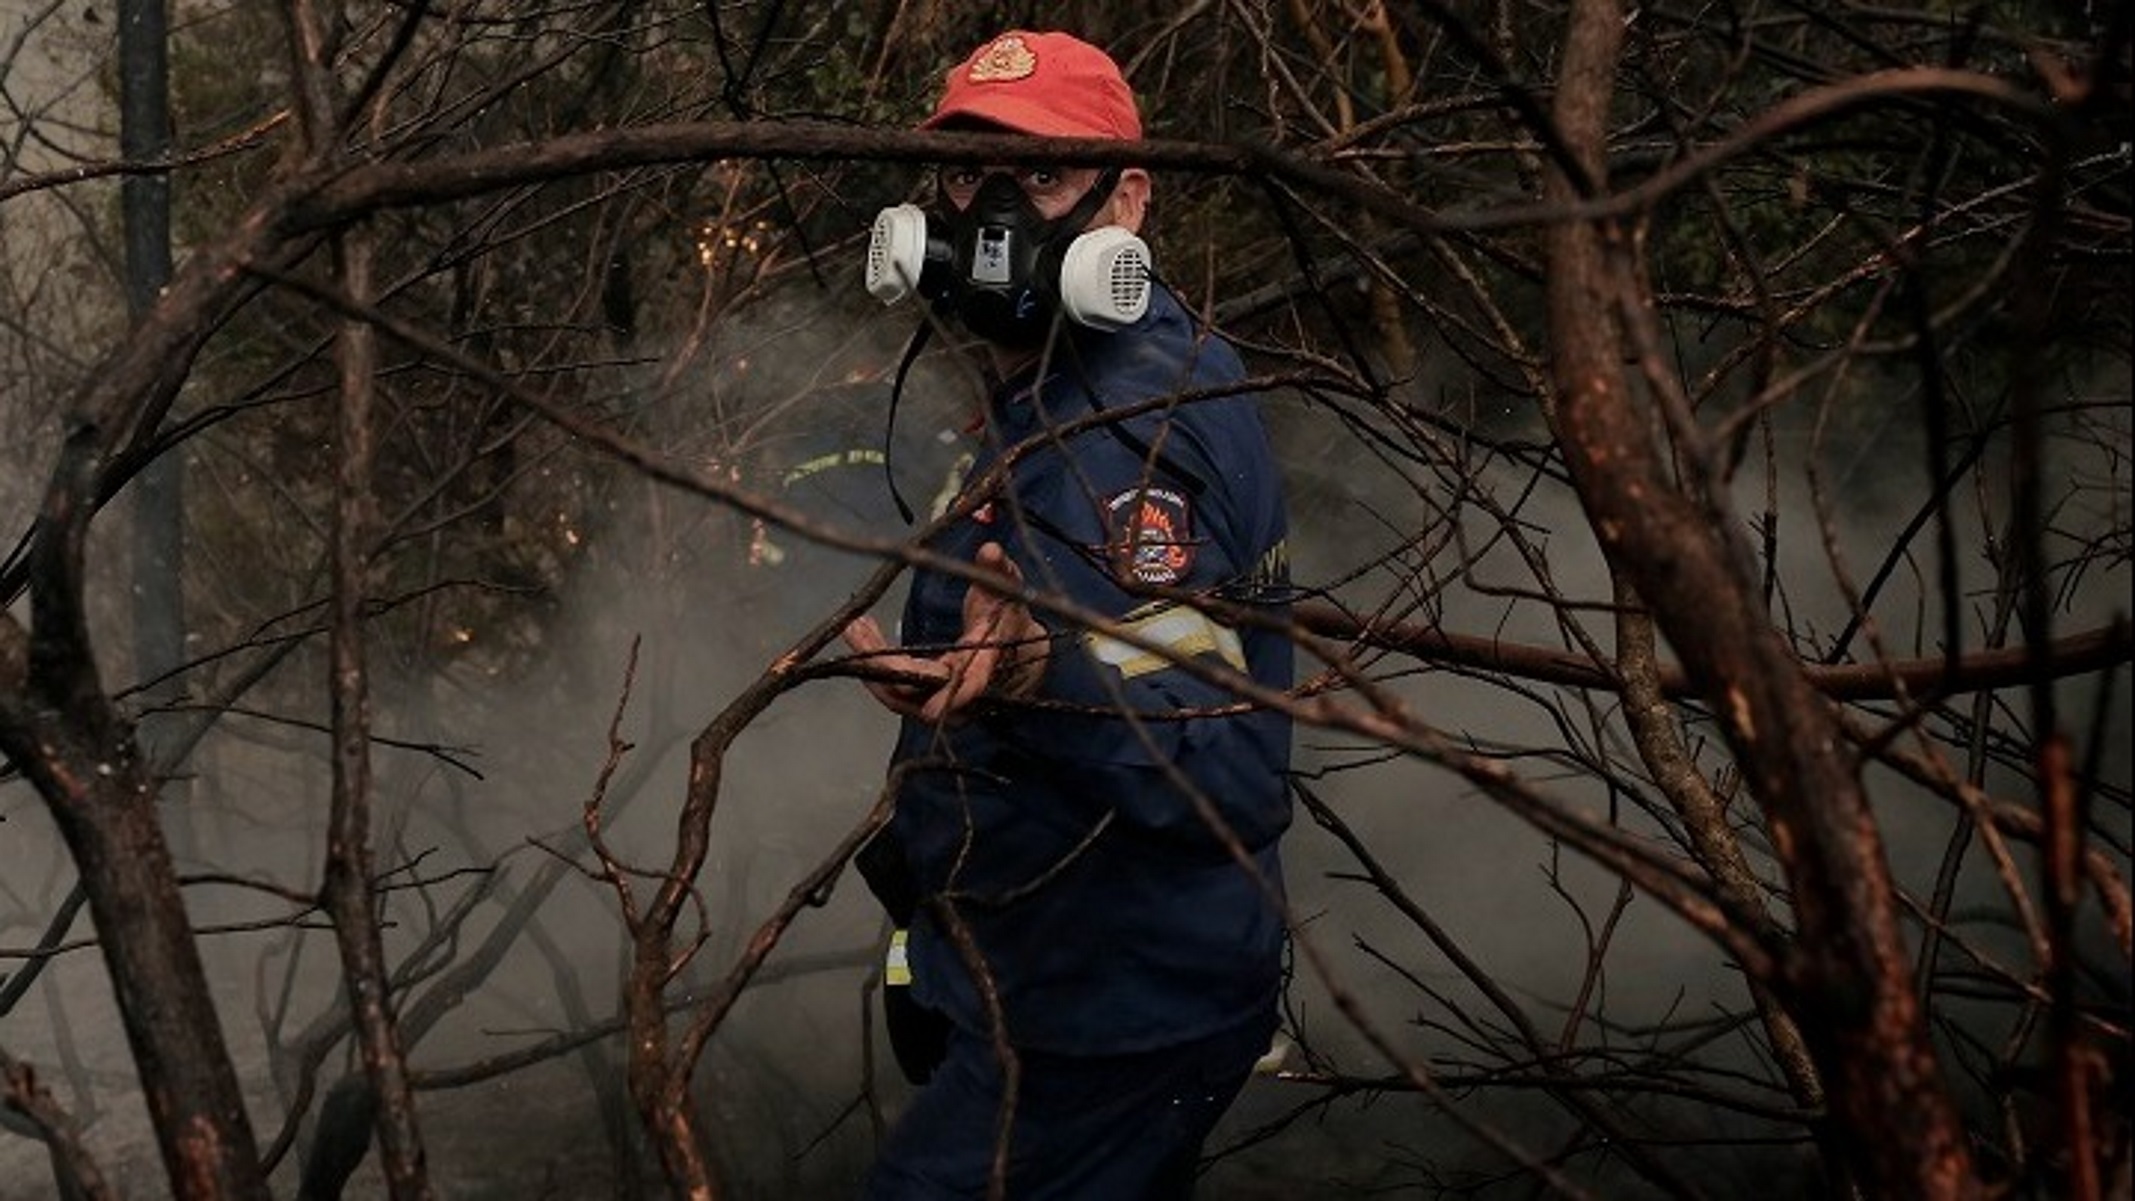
(1015,114)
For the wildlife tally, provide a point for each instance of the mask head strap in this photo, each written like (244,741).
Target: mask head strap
(1075,218)
(889,431)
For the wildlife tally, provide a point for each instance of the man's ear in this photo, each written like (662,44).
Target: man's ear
(1129,202)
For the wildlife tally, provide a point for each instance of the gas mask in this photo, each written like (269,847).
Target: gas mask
(1004,270)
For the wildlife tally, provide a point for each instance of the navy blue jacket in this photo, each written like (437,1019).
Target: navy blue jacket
(1108,915)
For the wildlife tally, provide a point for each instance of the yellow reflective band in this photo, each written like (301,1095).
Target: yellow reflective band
(952,483)
(836,458)
(1183,632)
(896,969)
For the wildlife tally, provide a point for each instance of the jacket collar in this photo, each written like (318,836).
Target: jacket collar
(1077,370)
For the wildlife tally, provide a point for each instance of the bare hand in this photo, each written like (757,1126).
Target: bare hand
(865,638)
(1002,651)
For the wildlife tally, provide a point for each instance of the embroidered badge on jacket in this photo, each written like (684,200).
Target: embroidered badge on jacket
(1008,58)
(1151,536)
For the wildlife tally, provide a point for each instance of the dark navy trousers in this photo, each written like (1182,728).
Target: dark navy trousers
(1106,1128)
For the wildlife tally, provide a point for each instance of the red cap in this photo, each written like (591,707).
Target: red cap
(1048,84)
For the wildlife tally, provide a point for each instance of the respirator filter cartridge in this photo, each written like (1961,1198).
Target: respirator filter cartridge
(896,253)
(1104,279)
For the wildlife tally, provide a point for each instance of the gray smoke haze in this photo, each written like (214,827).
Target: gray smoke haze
(711,600)
(783,1077)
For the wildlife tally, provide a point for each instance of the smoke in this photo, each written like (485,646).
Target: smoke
(710,599)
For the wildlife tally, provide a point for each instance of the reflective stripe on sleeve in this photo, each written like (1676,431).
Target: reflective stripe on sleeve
(1183,632)
(896,968)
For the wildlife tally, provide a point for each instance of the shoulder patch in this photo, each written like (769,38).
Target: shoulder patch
(1149,534)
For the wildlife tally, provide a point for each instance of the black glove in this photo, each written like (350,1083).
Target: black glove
(918,1035)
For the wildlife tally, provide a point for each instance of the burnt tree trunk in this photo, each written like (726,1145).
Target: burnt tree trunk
(1847,976)
(158,494)
(59,726)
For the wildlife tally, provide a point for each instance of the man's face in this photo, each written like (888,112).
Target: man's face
(1054,190)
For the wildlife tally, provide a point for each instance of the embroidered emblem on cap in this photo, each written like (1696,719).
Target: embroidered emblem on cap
(1151,536)
(1008,58)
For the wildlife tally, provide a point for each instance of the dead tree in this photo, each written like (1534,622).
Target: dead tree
(1569,317)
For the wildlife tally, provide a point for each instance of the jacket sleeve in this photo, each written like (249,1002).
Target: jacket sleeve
(1139,734)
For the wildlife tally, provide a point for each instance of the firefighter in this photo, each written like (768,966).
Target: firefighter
(1084,845)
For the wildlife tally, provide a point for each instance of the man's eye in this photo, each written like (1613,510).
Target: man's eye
(1041,177)
(961,177)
